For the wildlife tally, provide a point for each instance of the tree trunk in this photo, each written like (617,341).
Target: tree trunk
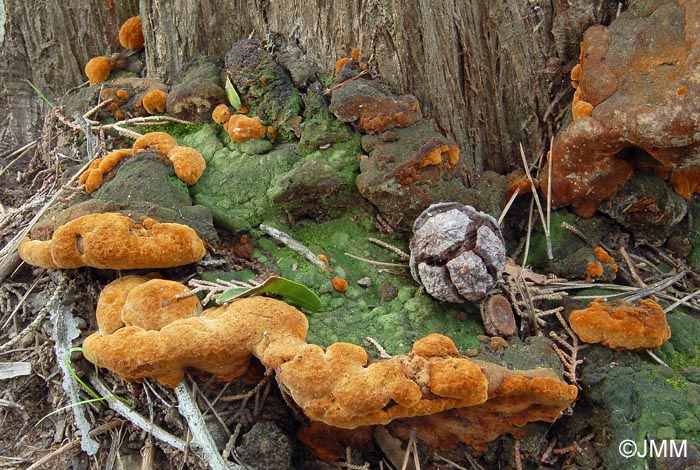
(48,44)
(486,71)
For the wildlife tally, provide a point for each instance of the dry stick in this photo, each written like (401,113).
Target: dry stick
(201,437)
(20,150)
(545,227)
(548,228)
(335,87)
(449,462)
(54,299)
(633,270)
(74,443)
(409,450)
(23,151)
(135,418)
(518,457)
(510,203)
(526,251)
(65,330)
(23,299)
(402,254)
(376,263)
(380,349)
(656,287)
(294,245)
(681,301)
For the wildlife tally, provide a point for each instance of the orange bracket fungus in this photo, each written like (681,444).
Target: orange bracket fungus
(131,34)
(241,128)
(187,163)
(636,108)
(114,241)
(161,142)
(154,101)
(98,68)
(622,325)
(146,331)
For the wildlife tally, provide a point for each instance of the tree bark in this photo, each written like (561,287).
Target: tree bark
(48,44)
(486,71)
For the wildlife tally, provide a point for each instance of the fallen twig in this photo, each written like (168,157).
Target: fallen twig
(630,266)
(376,263)
(201,437)
(402,254)
(568,358)
(535,196)
(65,330)
(135,418)
(75,442)
(380,349)
(294,245)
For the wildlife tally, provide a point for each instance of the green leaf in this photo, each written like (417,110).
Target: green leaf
(290,290)
(232,95)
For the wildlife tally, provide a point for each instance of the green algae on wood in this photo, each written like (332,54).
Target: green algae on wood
(392,310)
(645,400)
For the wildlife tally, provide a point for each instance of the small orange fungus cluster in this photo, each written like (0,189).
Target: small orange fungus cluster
(187,162)
(596,268)
(353,59)
(131,37)
(98,68)
(92,178)
(221,114)
(340,284)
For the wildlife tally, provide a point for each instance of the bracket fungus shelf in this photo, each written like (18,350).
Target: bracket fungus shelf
(146,331)
(114,241)
(622,325)
(635,107)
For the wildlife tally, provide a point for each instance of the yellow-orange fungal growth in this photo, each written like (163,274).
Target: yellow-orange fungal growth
(131,34)
(98,69)
(221,114)
(339,284)
(112,159)
(154,101)
(155,141)
(187,163)
(594,269)
(114,241)
(622,325)
(93,180)
(602,255)
(341,62)
(581,109)
(241,128)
